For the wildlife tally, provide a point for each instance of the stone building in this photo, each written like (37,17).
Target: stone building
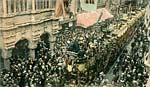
(25,20)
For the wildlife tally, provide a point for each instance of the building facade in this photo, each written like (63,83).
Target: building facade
(25,19)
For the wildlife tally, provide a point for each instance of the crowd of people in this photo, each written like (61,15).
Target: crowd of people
(32,72)
(130,70)
(96,47)
(87,43)
(47,68)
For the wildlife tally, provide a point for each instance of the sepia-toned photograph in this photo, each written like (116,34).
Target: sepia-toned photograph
(74,43)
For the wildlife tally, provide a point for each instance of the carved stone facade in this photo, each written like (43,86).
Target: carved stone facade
(25,19)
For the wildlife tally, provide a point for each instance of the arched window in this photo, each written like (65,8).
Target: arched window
(43,46)
(45,37)
(21,49)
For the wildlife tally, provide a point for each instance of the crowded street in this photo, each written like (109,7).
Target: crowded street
(104,49)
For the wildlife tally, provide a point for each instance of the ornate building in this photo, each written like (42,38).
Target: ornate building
(25,19)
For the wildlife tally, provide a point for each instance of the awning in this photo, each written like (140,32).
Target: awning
(87,19)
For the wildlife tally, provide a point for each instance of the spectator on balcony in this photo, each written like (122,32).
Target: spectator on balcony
(60,9)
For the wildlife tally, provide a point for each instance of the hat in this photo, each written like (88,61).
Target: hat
(81,38)
(91,45)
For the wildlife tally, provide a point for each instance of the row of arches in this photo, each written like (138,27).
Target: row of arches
(22,50)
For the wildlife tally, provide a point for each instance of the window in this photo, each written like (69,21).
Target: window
(7,4)
(40,4)
(28,5)
(17,6)
(12,6)
(25,3)
(44,4)
(47,2)
(90,1)
(21,5)
(53,2)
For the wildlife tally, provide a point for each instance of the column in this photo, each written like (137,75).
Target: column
(28,5)
(49,4)
(1,63)
(37,4)
(4,8)
(19,5)
(43,3)
(9,6)
(33,10)
(15,6)
(5,57)
(6,64)
(52,42)
(23,5)
(46,2)
(33,5)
